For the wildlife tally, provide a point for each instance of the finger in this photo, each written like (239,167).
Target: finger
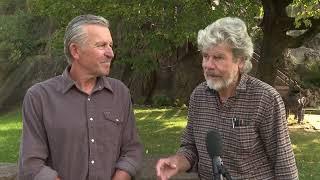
(161,164)
(158,167)
(172,165)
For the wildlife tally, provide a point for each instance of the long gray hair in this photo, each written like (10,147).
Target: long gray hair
(232,31)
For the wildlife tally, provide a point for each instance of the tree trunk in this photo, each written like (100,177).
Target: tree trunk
(274,40)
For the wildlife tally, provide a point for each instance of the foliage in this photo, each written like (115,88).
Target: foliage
(146,32)
(19,38)
(306,9)
(161,100)
(281,17)
(311,74)
(23,44)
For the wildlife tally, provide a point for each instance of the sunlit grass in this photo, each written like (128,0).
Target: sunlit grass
(306,145)
(160,130)
(10,132)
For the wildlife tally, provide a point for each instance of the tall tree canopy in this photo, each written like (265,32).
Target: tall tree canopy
(148,31)
(149,35)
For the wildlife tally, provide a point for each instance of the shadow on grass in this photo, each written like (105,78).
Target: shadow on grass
(312,111)
(306,145)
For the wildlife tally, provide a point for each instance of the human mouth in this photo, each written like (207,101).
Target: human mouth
(212,75)
(106,62)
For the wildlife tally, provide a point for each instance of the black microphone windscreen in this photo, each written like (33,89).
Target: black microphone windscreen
(214,143)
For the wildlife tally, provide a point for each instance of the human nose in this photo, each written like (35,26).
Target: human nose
(208,63)
(109,52)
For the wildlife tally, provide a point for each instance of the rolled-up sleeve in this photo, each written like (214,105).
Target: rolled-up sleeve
(34,146)
(131,149)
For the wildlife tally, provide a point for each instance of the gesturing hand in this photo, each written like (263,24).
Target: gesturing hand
(166,168)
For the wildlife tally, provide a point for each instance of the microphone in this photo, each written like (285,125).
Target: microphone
(214,149)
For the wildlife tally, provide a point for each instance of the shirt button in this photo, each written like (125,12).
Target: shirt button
(89,99)
(92,140)
(91,119)
(92,162)
(117,120)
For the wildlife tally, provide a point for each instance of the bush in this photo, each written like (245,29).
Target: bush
(162,100)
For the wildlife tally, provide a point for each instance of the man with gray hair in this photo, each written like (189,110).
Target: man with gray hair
(80,125)
(248,114)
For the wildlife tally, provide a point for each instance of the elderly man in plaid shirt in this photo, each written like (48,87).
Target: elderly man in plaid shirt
(248,113)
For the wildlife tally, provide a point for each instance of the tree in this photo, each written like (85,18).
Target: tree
(276,24)
(23,46)
(151,37)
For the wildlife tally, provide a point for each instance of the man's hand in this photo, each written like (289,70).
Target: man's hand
(166,168)
(121,175)
(58,178)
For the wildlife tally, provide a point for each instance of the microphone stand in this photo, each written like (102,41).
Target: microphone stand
(216,172)
(219,171)
(224,172)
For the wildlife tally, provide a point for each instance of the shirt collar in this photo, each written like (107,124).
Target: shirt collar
(242,86)
(68,83)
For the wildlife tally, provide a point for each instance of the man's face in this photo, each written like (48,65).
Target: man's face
(220,68)
(94,56)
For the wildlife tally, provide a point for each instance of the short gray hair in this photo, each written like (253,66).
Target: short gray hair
(74,31)
(232,31)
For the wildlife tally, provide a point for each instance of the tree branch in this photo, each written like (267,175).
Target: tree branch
(282,4)
(295,42)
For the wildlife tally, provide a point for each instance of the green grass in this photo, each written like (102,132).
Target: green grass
(160,130)
(10,132)
(306,146)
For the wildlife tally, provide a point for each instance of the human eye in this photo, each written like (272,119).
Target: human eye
(218,57)
(205,55)
(100,45)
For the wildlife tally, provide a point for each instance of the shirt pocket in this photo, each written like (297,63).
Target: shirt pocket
(111,127)
(245,138)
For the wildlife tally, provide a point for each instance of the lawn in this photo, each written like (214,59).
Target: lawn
(10,132)
(160,130)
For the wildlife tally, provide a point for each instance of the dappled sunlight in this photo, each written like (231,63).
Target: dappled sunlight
(306,147)
(172,125)
(160,129)
(143,110)
(176,124)
(294,146)
(10,126)
(312,117)
(317,141)
(160,116)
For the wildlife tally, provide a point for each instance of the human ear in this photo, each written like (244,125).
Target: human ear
(74,51)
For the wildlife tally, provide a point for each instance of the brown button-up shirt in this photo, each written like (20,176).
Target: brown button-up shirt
(253,127)
(76,136)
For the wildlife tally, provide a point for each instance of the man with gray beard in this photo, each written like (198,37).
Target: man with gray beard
(248,113)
